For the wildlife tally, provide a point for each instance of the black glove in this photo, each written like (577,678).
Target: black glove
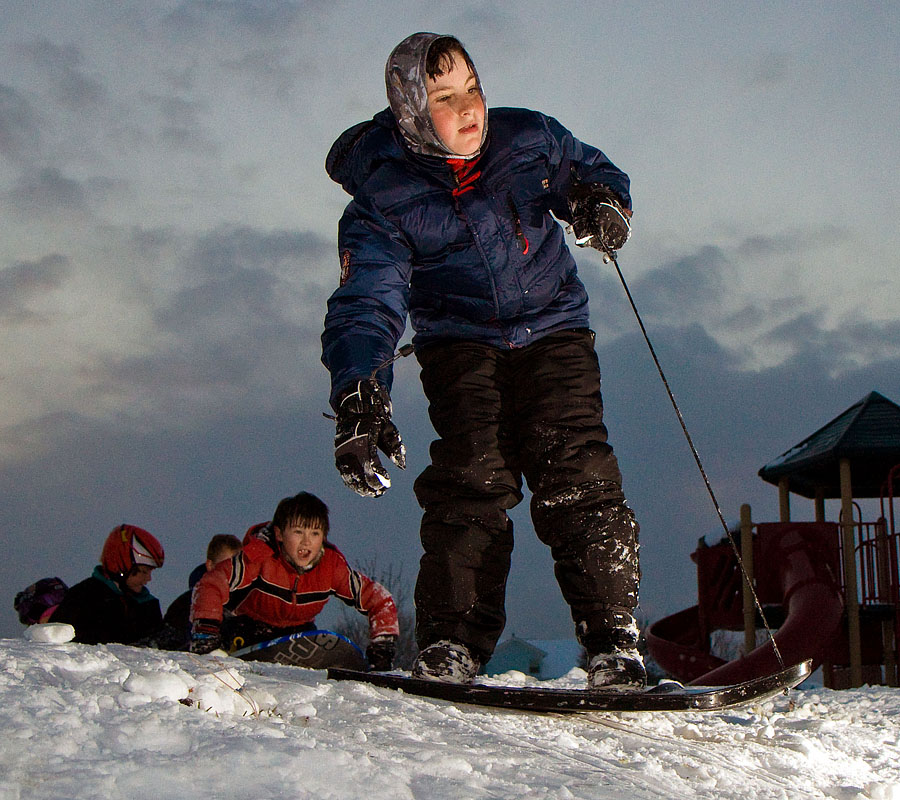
(380,653)
(598,218)
(364,426)
(205,636)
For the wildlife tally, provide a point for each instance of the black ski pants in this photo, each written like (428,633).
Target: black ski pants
(500,414)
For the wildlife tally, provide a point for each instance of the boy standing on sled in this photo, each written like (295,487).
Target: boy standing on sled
(280,581)
(451,224)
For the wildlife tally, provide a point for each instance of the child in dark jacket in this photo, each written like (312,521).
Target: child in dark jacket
(114,604)
(452,223)
(222,546)
(281,579)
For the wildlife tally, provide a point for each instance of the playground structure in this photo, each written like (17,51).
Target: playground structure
(829,591)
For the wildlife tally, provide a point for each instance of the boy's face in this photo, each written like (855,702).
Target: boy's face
(301,543)
(138,578)
(456,108)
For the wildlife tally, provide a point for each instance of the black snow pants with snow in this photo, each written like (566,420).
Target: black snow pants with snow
(535,412)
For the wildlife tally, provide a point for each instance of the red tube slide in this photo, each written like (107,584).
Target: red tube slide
(800,567)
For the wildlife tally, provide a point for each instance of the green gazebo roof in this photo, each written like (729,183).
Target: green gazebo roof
(867,433)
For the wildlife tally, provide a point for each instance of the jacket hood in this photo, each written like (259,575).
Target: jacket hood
(404,77)
(359,150)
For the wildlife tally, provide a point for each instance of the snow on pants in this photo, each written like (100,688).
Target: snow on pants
(501,415)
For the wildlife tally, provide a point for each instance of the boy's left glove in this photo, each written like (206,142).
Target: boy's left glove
(363,427)
(598,218)
(380,653)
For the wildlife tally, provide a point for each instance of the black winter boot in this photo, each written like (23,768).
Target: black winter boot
(447,662)
(617,669)
(615,662)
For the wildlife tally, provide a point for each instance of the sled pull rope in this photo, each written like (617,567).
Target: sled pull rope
(610,256)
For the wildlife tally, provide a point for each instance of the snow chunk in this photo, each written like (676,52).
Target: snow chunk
(883,791)
(50,633)
(158,685)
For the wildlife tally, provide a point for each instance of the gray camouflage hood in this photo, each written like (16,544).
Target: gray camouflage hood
(404,76)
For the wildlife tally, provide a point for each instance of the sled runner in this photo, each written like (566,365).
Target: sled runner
(668,696)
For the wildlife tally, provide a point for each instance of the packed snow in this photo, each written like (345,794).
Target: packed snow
(85,722)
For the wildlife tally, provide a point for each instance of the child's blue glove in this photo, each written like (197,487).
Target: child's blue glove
(598,218)
(363,427)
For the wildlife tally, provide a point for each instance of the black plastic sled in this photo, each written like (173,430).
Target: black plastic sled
(668,696)
(310,649)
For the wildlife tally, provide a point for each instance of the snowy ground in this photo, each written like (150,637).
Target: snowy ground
(119,722)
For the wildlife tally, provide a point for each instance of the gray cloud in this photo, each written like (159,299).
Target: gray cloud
(19,133)
(183,372)
(241,273)
(488,19)
(151,243)
(843,348)
(47,192)
(272,71)
(681,287)
(747,319)
(792,241)
(26,280)
(261,17)
(233,248)
(70,85)
(771,69)
(703,280)
(240,334)
(180,125)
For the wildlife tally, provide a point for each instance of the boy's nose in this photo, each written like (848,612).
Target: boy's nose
(465,105)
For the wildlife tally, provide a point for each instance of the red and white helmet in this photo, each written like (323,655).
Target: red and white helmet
(128,545)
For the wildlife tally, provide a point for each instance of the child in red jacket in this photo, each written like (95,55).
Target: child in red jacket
(282,579)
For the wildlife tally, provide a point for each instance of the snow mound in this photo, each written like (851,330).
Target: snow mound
(115,721)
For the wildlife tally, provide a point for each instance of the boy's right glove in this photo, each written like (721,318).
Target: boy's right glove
(380,653)
(363,427)
(205,636)
(598,218)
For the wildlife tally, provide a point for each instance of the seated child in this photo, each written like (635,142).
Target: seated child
(222,546)
(114,604)
(282,579)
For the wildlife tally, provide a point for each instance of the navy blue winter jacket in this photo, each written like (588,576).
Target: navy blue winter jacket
(489,263)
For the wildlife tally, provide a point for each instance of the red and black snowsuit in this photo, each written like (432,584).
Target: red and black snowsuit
(259,584)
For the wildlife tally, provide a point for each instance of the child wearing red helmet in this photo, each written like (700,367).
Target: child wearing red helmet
(114,604)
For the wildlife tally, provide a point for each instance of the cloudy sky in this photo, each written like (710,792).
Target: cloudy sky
(167,246)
